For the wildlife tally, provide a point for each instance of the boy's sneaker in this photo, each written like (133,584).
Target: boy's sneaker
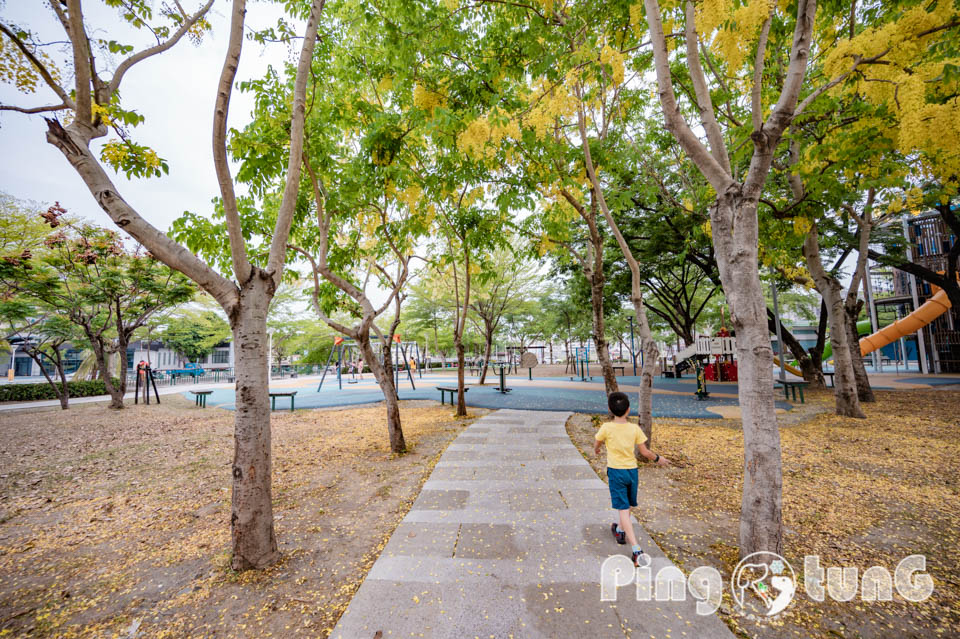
(641,559)
(621,537)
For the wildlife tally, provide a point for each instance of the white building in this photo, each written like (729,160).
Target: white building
(161,357)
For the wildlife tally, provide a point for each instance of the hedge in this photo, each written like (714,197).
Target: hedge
(29,392)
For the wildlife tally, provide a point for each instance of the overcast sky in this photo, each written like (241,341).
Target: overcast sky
(174,90)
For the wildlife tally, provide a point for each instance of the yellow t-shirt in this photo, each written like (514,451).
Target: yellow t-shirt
(621,439)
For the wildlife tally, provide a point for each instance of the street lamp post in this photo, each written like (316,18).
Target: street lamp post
(633,351)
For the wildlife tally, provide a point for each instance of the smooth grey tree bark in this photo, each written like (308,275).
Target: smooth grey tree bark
(647,344)
(852,304)
(735,233)
(320,267)
(847,403)
(244,300)
(591,262)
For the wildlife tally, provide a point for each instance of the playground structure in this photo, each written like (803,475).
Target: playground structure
(720,347)
(403,359)
(145,380)
(341,345)
(927,313)
(404,356)
(581,363)
(928,328)
(520,357)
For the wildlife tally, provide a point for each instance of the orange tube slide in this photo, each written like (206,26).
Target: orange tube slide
(926,313)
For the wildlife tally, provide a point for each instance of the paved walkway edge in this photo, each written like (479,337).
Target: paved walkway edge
(506,540)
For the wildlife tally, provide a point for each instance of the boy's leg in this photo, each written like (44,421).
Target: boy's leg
(626,525)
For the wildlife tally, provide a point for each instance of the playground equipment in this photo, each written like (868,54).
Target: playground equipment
(528,360)
(501,368)
(721,347)
(581,360)
(701,392)
(925,313)
(353,353)
(518,358)
(401,359)
(145,379)
(791,369)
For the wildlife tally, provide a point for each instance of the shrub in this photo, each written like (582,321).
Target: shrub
(30,392)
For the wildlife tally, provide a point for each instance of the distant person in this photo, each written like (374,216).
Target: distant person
(623,439)
(358,367)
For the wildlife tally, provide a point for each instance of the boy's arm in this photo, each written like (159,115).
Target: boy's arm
(652,456)
(599,438)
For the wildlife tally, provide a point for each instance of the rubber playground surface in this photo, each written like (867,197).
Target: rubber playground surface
(671,398)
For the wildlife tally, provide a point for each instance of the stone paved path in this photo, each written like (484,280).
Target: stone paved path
(506,540)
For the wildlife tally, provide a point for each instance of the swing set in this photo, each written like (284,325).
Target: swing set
(404,355)
(352,350)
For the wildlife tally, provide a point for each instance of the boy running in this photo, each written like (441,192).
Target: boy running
(623,439)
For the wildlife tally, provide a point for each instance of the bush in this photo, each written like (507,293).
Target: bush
(30,392)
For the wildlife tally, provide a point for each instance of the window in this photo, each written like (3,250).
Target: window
(221,356)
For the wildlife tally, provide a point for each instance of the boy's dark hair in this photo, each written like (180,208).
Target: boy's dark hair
(618,403)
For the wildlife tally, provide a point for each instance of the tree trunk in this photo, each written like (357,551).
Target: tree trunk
(251,521)
(846,390)
(486,357)
(811,372)
(461,400)
(64,396)
(864,390)
(761,525)
(384,376)
(599,330)
(99,352)
(122,376)
(61,391)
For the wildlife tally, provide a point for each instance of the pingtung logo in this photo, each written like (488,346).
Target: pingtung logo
(766,576)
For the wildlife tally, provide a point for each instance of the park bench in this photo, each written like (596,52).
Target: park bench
(793,387)
(274,396)
(622,369)
(448,389)
(832,381)
(200,398)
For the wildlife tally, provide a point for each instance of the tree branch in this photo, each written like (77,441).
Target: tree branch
(288,202)
(140,56)
(242,268)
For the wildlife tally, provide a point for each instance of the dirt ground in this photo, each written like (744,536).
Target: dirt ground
(116,523)
(855,492)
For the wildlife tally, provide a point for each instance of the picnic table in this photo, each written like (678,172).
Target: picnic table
(200,398)
(274,396)
(448,389)
(791,387)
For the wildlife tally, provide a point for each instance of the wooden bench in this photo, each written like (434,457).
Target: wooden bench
(832,381)
(622,369)
(789,387)
(448,389)
(274,396)
(200,398)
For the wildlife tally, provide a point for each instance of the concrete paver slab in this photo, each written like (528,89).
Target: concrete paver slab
(506,540)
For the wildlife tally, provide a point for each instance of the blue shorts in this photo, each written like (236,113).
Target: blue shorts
(623,487)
